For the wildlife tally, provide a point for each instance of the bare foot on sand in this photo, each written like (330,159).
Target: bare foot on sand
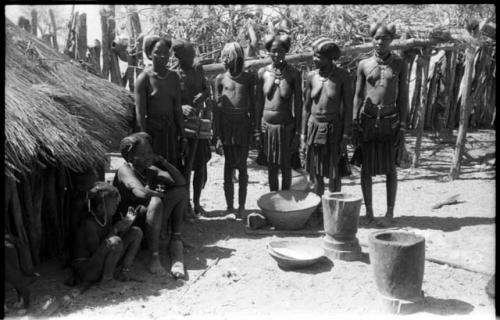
(155,266)
(198,210)
(177,270)
(385,222)
(177,258)
(366,220)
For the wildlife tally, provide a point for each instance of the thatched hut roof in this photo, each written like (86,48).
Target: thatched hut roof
(55,112)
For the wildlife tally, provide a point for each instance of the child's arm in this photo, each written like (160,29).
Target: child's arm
(127,176)
(168,173)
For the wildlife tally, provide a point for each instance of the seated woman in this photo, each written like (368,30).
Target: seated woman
(99,244)
(141,182)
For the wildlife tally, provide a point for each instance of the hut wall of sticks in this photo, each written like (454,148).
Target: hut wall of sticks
(60,121)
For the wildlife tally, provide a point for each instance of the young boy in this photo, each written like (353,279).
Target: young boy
(235,91)
(100,244)
(162,193)
(194,92)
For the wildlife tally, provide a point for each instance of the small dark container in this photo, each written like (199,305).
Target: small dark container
(398,263)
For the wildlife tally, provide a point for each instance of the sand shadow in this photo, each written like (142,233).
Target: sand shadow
(198,259)
(445,224)
(322,265)
(438,306)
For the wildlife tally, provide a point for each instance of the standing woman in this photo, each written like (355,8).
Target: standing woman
(382,94)
(194,92)
(279,109)
(158,102)
(326,119)
(235,114)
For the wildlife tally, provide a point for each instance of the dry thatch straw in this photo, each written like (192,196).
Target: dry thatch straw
(55,112)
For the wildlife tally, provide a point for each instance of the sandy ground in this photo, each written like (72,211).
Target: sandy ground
(230,274)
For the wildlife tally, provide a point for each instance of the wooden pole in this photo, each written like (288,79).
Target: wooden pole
(431,90)
(113,58)
(70,47)
(454,106)
(15,204)
(451,61)
(95,56)
(51,228)
(34,22)
(216,68)
(81,37)
(423,104)
(54,30)
(27,205)
(106,44)
(134,56)
(467,104)
(415,101)
(37,183)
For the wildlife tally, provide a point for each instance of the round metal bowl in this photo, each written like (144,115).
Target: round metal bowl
(294,255)
(288,209)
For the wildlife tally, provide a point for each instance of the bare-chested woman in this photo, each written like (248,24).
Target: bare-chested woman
(235,92)
(279,109)
(194,92)
(158,102)
(137,181)
(327,115)
(380,107)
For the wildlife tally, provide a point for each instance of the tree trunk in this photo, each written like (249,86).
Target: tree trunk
(54,30)
(423,104)
(34,22)
(81,37)
(467,104)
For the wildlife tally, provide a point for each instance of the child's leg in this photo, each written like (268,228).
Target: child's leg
(243,178)
(131,244)
(103,261)
(152,232)
(228,177)
(200,176)
(176,199)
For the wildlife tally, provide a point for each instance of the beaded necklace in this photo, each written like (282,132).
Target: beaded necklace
(278,74)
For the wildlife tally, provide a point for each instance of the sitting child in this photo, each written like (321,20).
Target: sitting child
(141,182)
(99,244)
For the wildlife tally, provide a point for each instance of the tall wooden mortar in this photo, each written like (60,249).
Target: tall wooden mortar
(340,218)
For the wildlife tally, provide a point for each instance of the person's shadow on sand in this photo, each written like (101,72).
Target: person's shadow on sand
(445,224)
(438,306)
